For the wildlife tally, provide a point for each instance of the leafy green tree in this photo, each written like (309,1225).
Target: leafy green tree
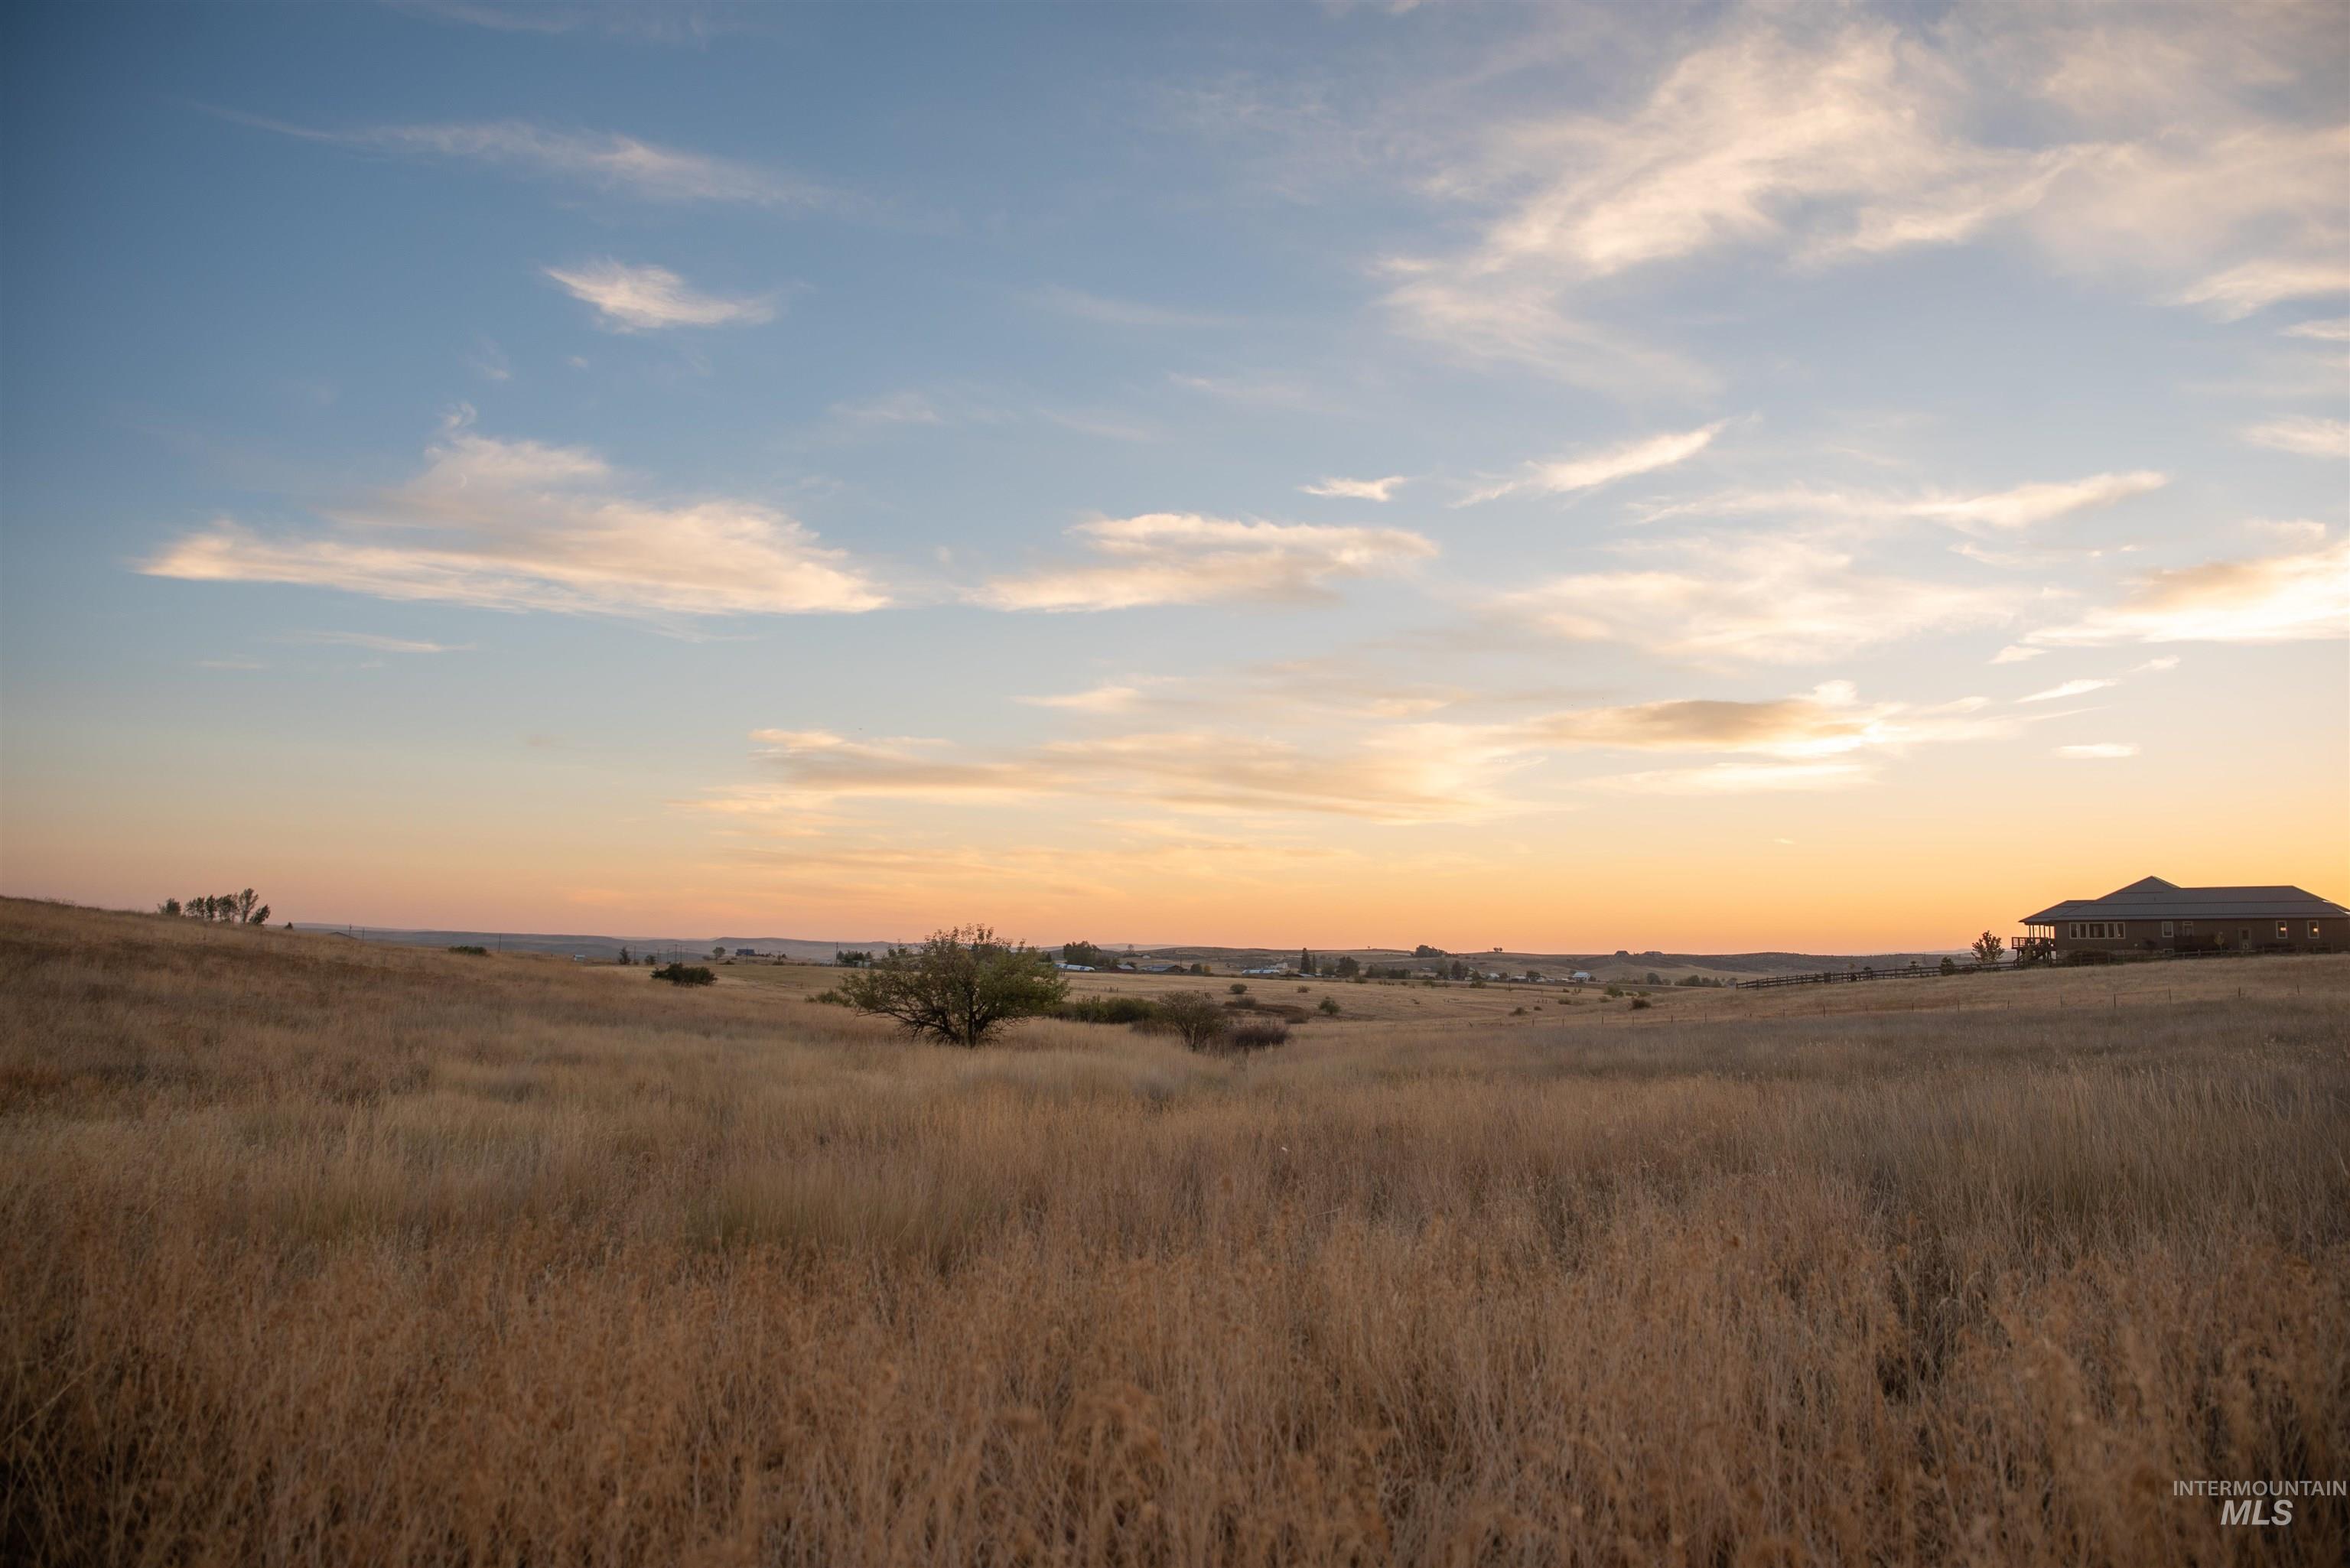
(1081,952)
(1988,947)
(959,986)
(1347,967)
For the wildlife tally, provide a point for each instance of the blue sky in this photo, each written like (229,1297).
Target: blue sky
(1328,474)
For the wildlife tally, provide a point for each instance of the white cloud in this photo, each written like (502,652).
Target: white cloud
(2327,330)
(2069,689)
(1826,739)
(1771,599)
(1357,489)
(1479,319)
(2099,751)
(373,643)
(891,408)
(1107,698)
(631,298)
(519,526)
(2201,151)
(1565,475)
(2016,653)
(2274,598)
(1400,776)
(2307,436)
(2028,503)
(615,163)
(2250,285)
(2022,506)
(1163,558)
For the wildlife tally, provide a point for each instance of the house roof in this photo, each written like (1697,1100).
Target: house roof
(2152,898)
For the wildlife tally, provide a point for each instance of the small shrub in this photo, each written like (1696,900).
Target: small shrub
(1638,1002)
(685,974)
(1614,990)
(1237,989)
(467,948)
(831,998)
(1255,1034)
(1517,1011)
(1330,1005)
(1109,1010)
(1304,989)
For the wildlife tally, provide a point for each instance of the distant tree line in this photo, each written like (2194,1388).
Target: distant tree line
(244,909)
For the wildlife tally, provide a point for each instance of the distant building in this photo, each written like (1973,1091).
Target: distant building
(746,952)
(1581,977)
(1076,968)
(2155,916)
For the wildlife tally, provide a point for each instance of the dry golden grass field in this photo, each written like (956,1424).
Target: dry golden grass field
(315,1252)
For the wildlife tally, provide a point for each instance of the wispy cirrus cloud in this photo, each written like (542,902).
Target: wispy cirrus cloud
(2018,507)
(372,643)
(2250,285)
(1564,476)
(1376,769)
(1172,558)
(1357,489)
(1380,777)
(605,159)
(2099,751)
(644,298)
(2080,687)
(2274,599)
(2191,150)
(519,526)
(2309,437)
(1767,599)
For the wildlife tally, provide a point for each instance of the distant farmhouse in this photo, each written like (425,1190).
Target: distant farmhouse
(2156,916)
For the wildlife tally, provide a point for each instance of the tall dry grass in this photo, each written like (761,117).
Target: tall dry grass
(312,1252)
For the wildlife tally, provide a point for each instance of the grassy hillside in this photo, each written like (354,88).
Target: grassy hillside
(316,1251)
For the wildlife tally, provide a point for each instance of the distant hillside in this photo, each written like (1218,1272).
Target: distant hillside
(809,950)
(1605,966)
(603,949)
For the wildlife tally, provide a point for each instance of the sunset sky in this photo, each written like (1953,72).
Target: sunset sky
(1707,479)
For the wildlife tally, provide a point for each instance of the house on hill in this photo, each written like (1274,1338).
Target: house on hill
(2155,916)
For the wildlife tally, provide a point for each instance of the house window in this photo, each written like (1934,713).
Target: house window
(2165,928)
(2285,929)
(2314,933)
(2186,927)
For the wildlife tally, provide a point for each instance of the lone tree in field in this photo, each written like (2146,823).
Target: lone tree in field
(1193,1017)
(957,986)
(1988,948)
